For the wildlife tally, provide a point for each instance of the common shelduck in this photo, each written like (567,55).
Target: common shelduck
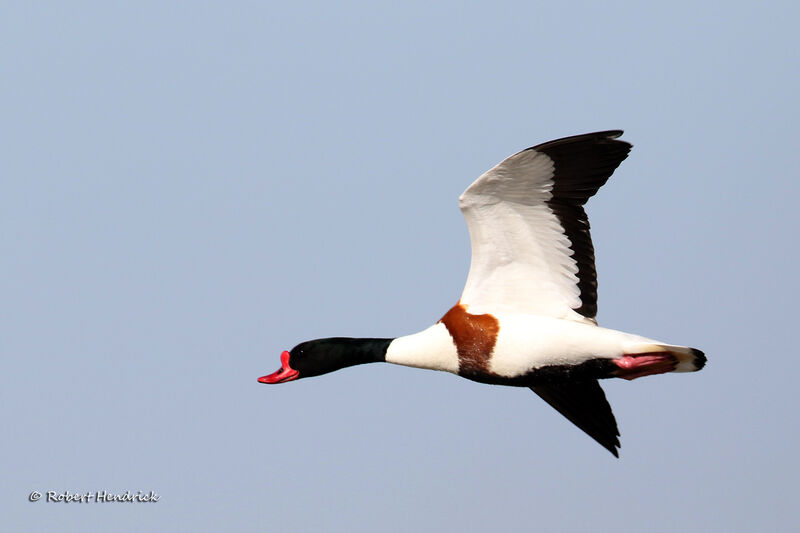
(526,317)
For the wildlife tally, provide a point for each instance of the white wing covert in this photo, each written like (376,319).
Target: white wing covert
(531,247)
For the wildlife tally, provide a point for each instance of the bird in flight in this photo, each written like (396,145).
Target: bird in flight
(526,317)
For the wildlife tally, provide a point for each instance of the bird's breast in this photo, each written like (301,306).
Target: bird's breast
(474,338)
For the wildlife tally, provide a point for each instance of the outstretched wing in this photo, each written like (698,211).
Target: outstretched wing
(585,405)
(531,248)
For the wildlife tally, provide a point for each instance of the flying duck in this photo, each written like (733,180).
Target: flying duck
(526,317)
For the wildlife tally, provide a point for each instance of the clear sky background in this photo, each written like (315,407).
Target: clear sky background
(187,189)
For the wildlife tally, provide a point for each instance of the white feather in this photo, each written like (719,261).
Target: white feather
(432,348)
(521,258)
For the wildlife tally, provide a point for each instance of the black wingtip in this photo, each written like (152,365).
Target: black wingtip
(594,137)
(608,134)
(612,446)
(584,404)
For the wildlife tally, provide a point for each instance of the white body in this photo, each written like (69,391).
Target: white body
(528,342)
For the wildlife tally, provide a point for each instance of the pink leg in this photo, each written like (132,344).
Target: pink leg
(645,364)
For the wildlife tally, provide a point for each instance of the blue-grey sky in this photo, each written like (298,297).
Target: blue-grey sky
(187,189)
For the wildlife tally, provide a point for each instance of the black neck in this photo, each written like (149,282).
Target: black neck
(320,356)
(352,352)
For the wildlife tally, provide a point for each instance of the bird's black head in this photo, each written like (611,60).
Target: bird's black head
(317,357)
